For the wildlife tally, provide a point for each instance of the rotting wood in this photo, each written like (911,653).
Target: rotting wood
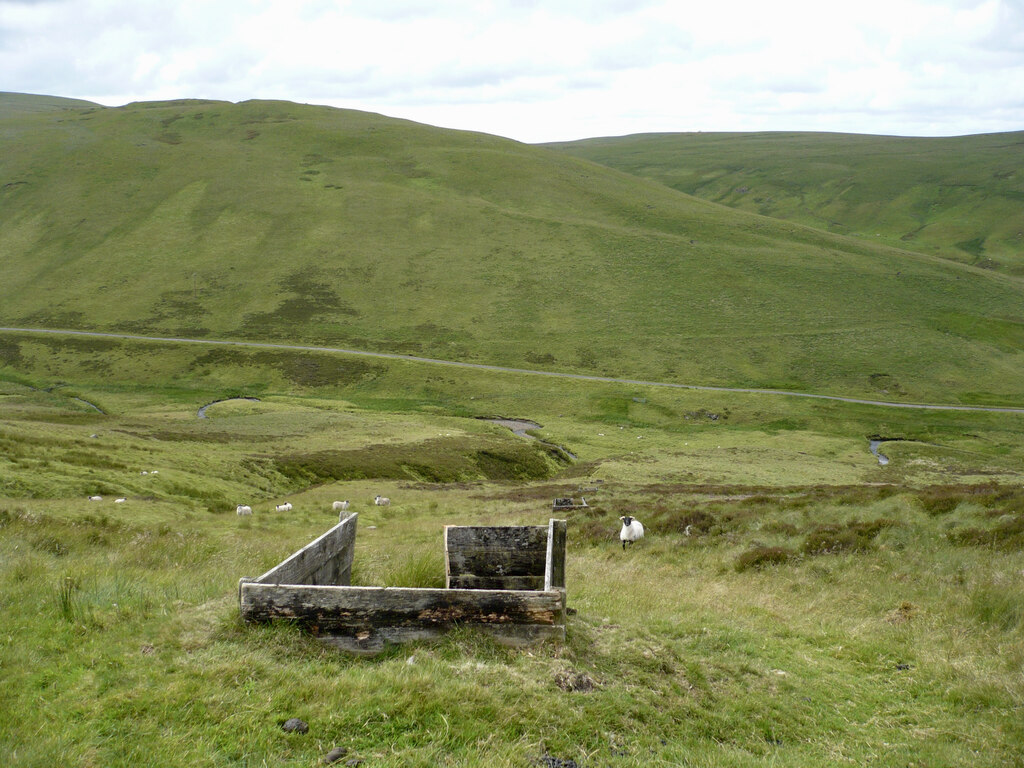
(324,609)
(495,557)
(554,562)
(568,503)
(326,560)
(311,589)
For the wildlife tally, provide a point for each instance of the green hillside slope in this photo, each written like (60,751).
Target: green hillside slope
(277,221)
(30,102)
(960,198)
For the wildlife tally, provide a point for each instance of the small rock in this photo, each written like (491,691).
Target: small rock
(574,681)
(294,725)
(334,755)
(549,761)
(354,762)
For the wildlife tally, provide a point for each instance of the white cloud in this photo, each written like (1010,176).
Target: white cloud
(536,70)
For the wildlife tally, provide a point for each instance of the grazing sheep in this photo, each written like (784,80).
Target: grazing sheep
(382,501)
(286,507)
(632,530)
(95,498)
(243,509)
(122,500)
(340,506)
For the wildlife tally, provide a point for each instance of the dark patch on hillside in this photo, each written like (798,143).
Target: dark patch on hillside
(80,344)
(303,369)
(182,306)
(433,461)
(310,300)
(10,352)
(53,317)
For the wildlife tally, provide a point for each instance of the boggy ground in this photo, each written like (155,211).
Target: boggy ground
(793,603)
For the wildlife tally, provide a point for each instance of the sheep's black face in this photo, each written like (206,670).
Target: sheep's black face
(627,520)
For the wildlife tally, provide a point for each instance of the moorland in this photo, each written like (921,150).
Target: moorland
(795,601)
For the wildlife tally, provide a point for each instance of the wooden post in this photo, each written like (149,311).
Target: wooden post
(554,564)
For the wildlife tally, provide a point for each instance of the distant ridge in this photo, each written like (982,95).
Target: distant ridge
(28,103)
(960,198)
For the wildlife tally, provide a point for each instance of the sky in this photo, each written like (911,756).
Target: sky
(540,71)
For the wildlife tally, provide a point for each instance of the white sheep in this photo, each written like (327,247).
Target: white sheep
(95,498)
(340,506)
(286,507)
(382,501)
(243,509)
(632,530)
(122,500)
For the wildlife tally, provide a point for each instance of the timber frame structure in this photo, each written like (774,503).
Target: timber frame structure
(507,581)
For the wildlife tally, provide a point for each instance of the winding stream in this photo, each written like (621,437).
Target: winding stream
(202,411)
(520,427)
(882,458)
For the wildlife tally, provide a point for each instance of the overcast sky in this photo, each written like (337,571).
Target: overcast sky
(546,71)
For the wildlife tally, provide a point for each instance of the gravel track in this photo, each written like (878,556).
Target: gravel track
(524,371)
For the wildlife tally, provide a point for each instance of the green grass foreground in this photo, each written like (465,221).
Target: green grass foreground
(794,602)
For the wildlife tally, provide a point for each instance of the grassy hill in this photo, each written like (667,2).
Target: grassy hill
(22,103)
(278,221)
(961,198)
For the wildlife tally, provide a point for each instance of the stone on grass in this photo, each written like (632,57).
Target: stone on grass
(334,755)
(294,725)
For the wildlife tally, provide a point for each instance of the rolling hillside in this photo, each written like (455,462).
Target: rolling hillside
(959,198)
(275,221)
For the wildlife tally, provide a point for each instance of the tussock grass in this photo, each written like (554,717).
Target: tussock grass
(121,620)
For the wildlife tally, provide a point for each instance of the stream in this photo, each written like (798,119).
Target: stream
(202,411)
(520,427)
(882,458)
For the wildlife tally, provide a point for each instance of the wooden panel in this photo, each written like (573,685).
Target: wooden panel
(469,581)
(554,571)
(326,560)
(496,536)
(340,610)
(497,555)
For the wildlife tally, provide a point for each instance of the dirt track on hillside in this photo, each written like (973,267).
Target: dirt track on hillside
(525,371)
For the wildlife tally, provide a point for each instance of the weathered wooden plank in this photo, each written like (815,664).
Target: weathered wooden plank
(496,536)
(497,562)
(325,560)
(554,571)
(327,609)
(493,552)
(373,641)
(470,581)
